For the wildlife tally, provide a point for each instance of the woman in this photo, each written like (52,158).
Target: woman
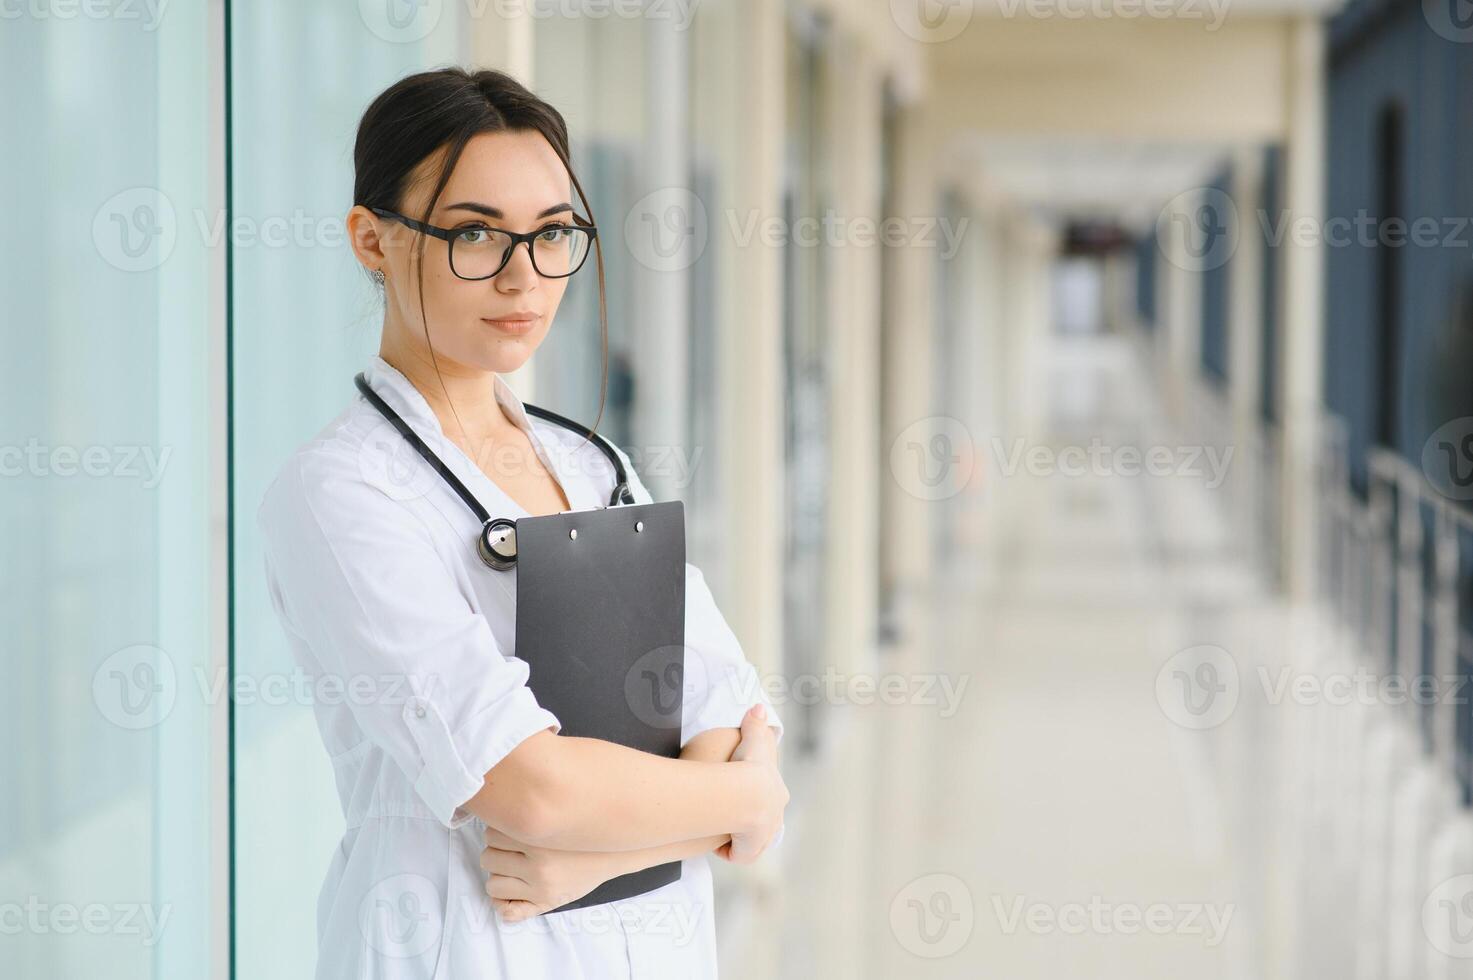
(468,815)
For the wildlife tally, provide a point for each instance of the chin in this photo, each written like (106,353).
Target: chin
(505,354)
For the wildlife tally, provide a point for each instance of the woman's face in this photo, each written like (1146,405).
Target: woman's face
(512,180)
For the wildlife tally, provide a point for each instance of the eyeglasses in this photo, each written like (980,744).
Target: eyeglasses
(480,252)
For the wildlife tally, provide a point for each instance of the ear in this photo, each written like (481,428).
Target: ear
(365,231)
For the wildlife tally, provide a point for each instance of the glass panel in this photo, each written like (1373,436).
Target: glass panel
(305,319)
(105,831)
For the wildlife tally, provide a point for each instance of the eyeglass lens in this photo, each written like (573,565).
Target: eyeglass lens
(479,253)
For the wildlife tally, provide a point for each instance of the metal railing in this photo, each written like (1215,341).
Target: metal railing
(1392,566)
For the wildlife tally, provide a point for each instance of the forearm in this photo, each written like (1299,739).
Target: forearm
(626,800)
(573,793)
(624,862)
(714,745)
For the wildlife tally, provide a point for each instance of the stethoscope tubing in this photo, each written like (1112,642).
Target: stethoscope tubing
(487,552)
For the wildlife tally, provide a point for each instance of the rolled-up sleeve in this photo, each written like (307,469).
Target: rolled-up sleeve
(356,575)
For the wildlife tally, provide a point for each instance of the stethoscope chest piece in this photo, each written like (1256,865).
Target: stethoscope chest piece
(497,543)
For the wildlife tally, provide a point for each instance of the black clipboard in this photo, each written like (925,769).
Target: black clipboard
(601,624)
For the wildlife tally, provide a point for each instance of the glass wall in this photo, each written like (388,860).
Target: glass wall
(113,769)
(184,312)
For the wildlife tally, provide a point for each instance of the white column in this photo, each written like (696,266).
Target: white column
(1301,332)
(663,295)
(990,431)
(968,377)
(752,411)
(1116,292)
(500,37)
(1245,323)
(1162,280)
(909,326)
(853,107)
(1043,250)
(1029,248)
(1010,342)
(1180,315)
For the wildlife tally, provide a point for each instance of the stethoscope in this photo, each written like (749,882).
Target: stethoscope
(497,541)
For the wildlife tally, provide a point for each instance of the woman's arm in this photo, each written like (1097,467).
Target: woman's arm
(526,880)
(586,794)
(712,745)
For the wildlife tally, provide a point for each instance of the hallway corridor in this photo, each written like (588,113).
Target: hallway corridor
(1085,833)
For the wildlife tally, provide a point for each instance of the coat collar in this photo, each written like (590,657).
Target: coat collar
(403,397)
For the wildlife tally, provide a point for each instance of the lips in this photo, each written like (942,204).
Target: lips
(520,322)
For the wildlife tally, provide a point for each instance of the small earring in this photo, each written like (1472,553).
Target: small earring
(378,276)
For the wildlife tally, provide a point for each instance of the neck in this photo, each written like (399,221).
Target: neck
(463,399)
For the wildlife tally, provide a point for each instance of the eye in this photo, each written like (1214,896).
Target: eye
(474,235)
(553,234)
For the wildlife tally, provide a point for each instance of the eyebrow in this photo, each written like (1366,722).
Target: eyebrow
(491,212)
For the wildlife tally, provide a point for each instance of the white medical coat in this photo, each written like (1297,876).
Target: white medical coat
(372,570)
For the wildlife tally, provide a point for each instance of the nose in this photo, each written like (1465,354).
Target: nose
(519,273)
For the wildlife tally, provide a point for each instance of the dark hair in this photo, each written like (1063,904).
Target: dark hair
(442,109)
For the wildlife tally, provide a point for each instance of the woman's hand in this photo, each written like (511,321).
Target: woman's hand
(758,748)
(526,880)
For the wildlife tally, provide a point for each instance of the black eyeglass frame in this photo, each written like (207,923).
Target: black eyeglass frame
(448,235)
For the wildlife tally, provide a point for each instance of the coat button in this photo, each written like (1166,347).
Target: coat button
(419,711)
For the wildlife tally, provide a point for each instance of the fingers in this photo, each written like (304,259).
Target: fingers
(505,886)
(497,861)
(754,724)
(738,855)
(495,838)
(758,741)
(515,910)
